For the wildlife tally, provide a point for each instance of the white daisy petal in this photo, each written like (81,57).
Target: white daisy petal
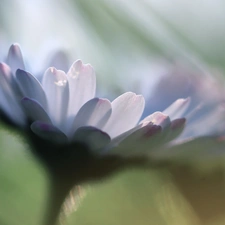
(95,112)
(56,89)
(158,118)
(82,85)
(93,137)
(15,58)
(31,87)
(34,110)
(126,112)
(48,132)
(178,108)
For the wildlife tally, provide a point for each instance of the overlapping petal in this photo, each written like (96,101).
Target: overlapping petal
(31,87)
(95,112)
(126,112)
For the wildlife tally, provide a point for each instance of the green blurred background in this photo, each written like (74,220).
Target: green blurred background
(122,40)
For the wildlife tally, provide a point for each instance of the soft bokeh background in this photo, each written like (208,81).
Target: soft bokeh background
(131,44)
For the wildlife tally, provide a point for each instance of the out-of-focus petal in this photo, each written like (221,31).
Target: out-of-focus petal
(82,85)
(60,61)
(31,87)
(202,149)
(93,137)
(178,108)
(126,112)
(56,89)
(34,110)
(15,58)
(95,112)
(48,132)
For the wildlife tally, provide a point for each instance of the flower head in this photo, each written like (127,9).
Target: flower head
(62,107)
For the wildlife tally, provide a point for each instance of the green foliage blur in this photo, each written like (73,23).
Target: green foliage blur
(115,37)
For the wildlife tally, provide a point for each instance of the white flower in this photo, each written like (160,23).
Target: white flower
(63,108)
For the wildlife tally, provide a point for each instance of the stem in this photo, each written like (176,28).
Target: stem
(58,191)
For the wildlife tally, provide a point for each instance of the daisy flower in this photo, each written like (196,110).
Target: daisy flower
(62,108)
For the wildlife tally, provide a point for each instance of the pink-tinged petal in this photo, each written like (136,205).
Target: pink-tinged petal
(48,132)
(31,87)
(93,137)
(56,88)
(9,96)
(15,58)
(34,110)
(126,112)
(178,108)
(82,85)
(10,79)
(158,118)
(95,112)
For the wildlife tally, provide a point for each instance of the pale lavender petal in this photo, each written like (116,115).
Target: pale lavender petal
(8,96)
(34,110)
(178,108)
(93,137)
(56,89)
(15,58)
(82,85)
(95,112)
(31,87)
(157,118)
(5,70)
(48,132)
(126,112)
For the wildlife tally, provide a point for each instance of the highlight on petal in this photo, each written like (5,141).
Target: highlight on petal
(48,132)
(56,88)
(34,110)
(93,137)
(31,87)
(157,118)
(178,108)
(15,58)
(126,112)
(82,85)
(95,112)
